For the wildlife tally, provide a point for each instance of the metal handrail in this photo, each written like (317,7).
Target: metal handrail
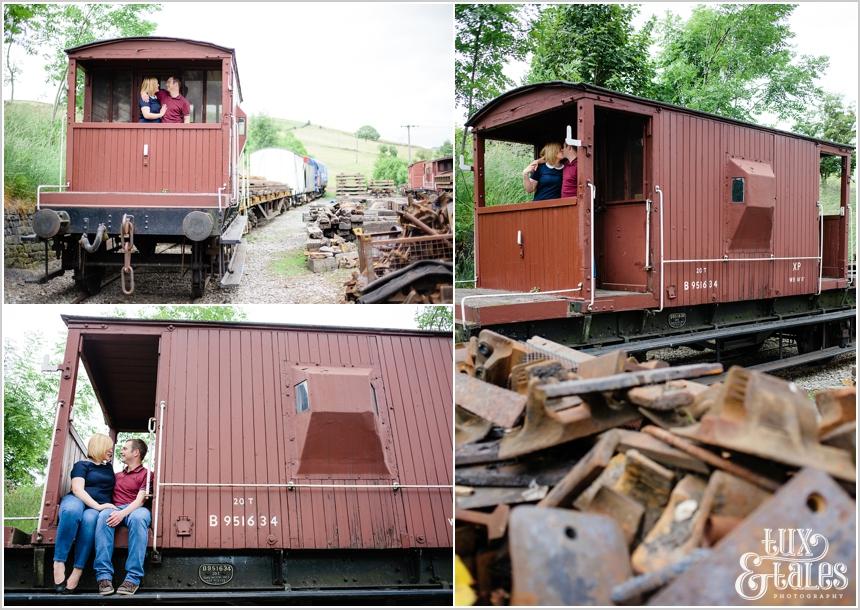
(662,213)
(48,469)
(47,186)
(820,245)
(593,190)
(158,470)
(647,235)
(507,295)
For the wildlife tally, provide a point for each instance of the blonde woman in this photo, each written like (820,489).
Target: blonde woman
(151,110)
(543,175)
(92,492)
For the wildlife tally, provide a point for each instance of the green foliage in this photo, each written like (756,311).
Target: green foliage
(29,407)
(22,501)
(488,36)
(388,166)
(265,132)
(198,313)
(593,43)
(736,60)
(833,120)
(31,149)
(446,150)
(423,155)
(435,317)
(367,132)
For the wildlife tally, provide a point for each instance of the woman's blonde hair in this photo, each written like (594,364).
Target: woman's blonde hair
(97,446)
(550,151)
(149,84)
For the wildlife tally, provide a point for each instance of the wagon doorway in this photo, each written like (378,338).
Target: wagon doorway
(622,165)
(124,373)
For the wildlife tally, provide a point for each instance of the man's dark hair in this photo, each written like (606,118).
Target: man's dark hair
(178,79)
(138,444)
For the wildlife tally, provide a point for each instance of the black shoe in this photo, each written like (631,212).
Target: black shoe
(60,588)
(67,591)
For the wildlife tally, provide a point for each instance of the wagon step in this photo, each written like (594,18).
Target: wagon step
(236,267)
(234,231)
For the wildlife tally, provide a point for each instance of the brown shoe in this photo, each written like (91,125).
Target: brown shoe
(105,587)
(127,588)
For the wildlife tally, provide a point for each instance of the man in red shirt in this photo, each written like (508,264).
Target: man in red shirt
(568,174)
(178,108)
(129,494)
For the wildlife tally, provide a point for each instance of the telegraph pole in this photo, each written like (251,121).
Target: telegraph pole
(409,140)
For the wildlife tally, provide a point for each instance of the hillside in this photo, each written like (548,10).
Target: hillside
(337,149)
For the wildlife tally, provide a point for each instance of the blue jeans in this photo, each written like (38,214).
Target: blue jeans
(78,525)
(138,531)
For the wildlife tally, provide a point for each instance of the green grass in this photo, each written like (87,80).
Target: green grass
(22,502)
(340,150)
(290,264)
(830,196)
(31,149)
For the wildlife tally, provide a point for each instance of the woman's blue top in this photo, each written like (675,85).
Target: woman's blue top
(154,107)
(549,182)
(98,479)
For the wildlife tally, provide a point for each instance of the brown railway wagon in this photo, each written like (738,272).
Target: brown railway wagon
(675,208)
(157,182)
(296,455)
(432,175)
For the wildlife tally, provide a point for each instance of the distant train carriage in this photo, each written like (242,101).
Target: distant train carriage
(290,462)
(278,165)
(432,176)
(131,186)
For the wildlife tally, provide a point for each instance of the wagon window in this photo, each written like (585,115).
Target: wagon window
(302,400)
(111,97)
(737,190)
(202,89)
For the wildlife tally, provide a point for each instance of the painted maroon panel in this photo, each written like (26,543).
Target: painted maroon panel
(228,453)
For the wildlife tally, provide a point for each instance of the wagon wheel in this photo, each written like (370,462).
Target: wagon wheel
(198,277)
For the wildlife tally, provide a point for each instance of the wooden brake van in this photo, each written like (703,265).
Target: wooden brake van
(291,463)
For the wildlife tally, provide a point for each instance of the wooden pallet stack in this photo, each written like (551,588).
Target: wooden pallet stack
(350,184)
(381,187)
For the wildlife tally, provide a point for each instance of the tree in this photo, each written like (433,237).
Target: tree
(388,166)
(52,28)
(16,23)
(262,133)
(446,150)
(488,36)
(435,317)
(200,313)
(833,120)
(423,154)
(593,43)
(736,61)
(366,132)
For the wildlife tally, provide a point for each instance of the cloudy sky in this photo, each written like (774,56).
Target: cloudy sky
(340,65)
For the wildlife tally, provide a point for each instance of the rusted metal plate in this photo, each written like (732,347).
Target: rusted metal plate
(679,529)
(623,509)
(734,499)
(659,451)
(563,558)
(497,405)
(468,427)
(631,591)
(768,417)
(584,472)
(837,406)
(666,397)
(557,350)
(484,497)
(647,482)
(603,366)
(496,522)
(808,529)
(495,355)
(544,427)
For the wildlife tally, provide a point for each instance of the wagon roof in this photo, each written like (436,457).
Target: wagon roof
(111,41)
(448,157)
(586,87)
(70,319)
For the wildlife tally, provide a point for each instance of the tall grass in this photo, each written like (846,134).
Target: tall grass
(503,163)
(830,196)
(22,501)
(31,148)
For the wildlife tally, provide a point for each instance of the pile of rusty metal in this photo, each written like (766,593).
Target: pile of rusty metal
(411,265)
(335,219)
(588,480)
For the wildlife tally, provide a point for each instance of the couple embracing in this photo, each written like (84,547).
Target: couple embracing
(99,502)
